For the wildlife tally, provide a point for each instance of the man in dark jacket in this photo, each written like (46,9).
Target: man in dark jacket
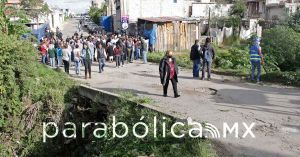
(208,57)
(196,56)
(168,70)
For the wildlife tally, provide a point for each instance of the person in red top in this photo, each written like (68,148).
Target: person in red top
(43,50)
(118,52)
(168,70)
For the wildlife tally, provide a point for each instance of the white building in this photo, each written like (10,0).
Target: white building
(98,3)
(55,19)
(134,9)
(271,9)
(204,9)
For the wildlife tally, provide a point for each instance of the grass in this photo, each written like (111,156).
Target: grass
(183,60)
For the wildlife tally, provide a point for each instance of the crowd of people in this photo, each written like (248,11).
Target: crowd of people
(79,50)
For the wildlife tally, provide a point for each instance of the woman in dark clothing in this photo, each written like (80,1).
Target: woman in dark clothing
(168,71)
(118,53)
(110,51)
(101,54)
(86,56)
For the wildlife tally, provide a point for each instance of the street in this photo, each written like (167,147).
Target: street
(274,109)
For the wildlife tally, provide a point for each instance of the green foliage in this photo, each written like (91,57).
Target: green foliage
(131,114)
(237,13)
(294,21)
(24,84)
(281,46)
(182,59)
(234,58)
(35,7)
(16,26)
(95,13)
(287,78)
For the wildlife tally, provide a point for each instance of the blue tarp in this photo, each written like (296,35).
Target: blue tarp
(40,32)
(106,23)
(151,34)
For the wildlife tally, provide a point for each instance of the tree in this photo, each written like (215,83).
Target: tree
(12,20)
(237,13)
(294,21)
(35,8)
(281,45)
(95,13)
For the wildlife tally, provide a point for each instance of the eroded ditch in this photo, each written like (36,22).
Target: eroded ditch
(95,107)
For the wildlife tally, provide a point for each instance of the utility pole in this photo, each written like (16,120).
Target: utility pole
(208,21)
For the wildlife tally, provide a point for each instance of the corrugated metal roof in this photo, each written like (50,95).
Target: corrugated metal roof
(13,1)
(161,19)
(169,19)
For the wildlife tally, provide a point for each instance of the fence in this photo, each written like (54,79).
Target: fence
(177,36)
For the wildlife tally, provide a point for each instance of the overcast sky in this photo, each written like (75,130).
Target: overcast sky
(77,6)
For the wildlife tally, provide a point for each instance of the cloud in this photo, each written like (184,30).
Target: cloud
(78,6)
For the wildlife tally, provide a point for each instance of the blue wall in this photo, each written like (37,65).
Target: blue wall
(106,23)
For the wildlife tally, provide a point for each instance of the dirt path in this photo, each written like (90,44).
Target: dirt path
(275,110)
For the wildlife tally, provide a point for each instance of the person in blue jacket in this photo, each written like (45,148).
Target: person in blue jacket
(257,59)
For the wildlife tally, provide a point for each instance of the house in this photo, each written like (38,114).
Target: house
(51,21)
(209,8)
(256,9)
(97,3)
(128,11)
(280,9)
(14,3)
(271,10)
(55,18)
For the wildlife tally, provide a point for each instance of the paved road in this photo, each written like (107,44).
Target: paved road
(275,110)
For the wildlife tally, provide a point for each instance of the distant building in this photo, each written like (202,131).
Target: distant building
(97,3)
(271,10)
(128,11)
(12,3)
(15,3)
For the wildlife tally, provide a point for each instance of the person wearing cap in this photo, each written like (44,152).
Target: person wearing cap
(257,59)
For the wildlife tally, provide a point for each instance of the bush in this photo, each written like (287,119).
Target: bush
(281,46)
(25,84)
(234,58)
(287,78)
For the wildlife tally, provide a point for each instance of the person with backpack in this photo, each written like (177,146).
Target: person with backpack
(257,59)
(87,58)
(168,71)
(195,56)
(101,54)
(59,55)
(208,57)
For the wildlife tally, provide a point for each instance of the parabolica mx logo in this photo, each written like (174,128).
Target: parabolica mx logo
(121,129)
(209,130)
